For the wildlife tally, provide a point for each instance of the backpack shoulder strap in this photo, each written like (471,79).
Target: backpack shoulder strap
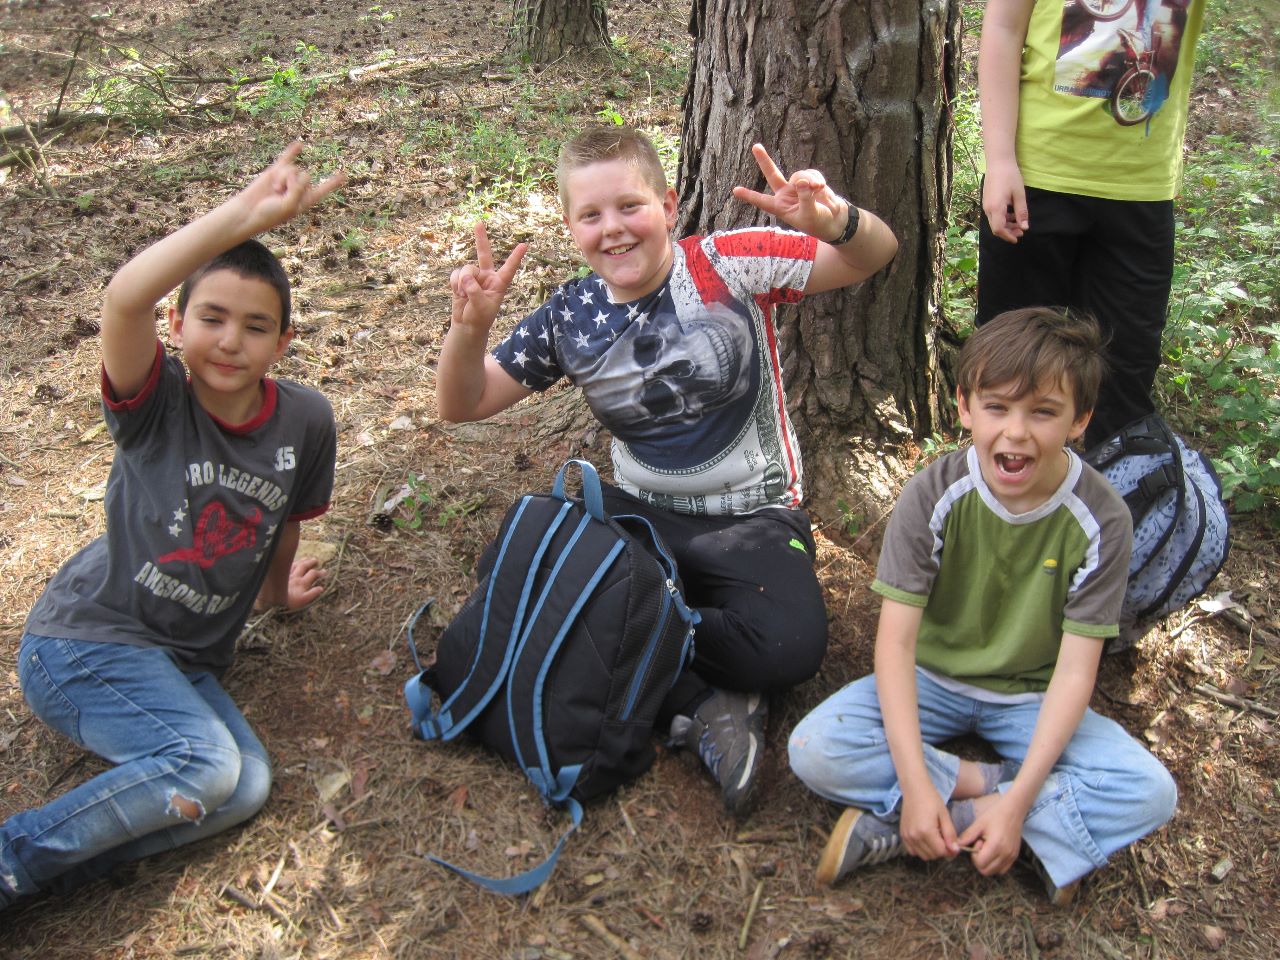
(506,597)
(582,563)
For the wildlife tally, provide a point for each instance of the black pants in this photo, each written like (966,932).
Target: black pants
(751,579)
(1111,258)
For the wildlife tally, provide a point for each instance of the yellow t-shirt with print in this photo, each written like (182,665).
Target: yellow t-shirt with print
(1103,101)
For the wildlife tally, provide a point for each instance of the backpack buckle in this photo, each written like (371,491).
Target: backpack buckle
(1153,484)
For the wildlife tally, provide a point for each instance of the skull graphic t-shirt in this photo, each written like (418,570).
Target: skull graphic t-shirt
(687,378)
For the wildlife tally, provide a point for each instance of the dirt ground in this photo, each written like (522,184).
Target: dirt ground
(334,866)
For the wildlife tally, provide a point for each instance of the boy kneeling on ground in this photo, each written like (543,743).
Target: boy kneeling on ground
(673,345)
(1002,571)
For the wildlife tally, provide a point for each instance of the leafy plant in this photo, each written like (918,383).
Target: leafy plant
(851,521)
(288,90)
(932,447)
(417,501)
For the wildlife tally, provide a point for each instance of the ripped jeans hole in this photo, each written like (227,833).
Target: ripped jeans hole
(185,808)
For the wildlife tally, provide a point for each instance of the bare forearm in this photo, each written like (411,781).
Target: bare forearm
(1064,705)
(872,246)
(895,666)
(146,279)
(275,588)
(462,377)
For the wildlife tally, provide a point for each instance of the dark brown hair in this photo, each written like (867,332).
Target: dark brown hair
(1036,347)
(249,259)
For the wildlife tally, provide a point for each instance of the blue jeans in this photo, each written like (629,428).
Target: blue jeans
(187,763)
(1105,791)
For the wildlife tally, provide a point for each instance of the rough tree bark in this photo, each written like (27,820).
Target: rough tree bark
(545,30)
(858,90)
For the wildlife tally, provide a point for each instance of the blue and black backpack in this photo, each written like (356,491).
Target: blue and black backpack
(561,657)
(1179,521)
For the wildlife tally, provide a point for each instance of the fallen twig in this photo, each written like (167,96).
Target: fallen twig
(1231,700)
(1142,884)
(596,926)
(1248,626)
(751,915)
(1033,950)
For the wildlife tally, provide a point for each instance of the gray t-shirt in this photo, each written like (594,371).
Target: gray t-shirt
(194,510)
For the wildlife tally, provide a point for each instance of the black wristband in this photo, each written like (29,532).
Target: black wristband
(850,227)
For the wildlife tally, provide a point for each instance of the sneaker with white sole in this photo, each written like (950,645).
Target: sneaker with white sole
(727,731)
(858,839)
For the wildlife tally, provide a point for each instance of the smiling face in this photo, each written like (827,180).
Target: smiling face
(621,225)
(1019,440)
(230,336)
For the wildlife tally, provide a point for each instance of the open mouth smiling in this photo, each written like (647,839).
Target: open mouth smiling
(1012,465)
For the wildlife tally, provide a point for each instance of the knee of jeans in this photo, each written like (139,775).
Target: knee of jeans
(1148,791)
(824,764)
(1162,796)
(206,781)
(253,789)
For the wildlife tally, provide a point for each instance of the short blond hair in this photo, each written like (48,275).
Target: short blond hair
(601,142)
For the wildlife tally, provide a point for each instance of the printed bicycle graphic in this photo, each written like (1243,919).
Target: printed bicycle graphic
(1105,9)
(1133,96)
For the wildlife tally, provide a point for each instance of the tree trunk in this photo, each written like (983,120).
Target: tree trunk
(545,30)
(859,91)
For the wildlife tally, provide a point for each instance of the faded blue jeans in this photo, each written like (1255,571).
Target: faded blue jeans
(187,763)
(1104,793)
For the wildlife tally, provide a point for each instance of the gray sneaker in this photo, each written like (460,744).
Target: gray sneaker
(727,731)
(858,839)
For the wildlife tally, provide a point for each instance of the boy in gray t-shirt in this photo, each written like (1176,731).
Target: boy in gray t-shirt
(215,467)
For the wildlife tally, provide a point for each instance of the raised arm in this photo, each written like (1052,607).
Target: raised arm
(1004,197)
(997,831)
(805,202)
(470,384)
(925,825)
(281,191)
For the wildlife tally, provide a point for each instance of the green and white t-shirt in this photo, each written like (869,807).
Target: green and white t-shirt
(999,589)
(1103,99)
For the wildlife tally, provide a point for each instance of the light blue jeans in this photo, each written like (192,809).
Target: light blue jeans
(187,763)
(1105,791)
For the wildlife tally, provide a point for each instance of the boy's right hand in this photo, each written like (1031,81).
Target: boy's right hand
(925,826)
(282,191)
(478,288)
(1004,202)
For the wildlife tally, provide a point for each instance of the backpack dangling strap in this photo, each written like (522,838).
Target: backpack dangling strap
(535,876)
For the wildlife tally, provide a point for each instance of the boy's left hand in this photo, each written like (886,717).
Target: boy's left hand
(803,200)
(996,836)
(306,583)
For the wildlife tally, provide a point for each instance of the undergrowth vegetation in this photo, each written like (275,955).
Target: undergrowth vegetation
(1220,380)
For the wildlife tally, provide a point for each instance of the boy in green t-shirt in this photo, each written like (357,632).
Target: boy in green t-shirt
(1002,571)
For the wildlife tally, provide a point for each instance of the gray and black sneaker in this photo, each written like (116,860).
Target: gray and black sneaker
(727,731)
(857,840)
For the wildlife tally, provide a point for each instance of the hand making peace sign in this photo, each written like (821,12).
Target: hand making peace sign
(803,201)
